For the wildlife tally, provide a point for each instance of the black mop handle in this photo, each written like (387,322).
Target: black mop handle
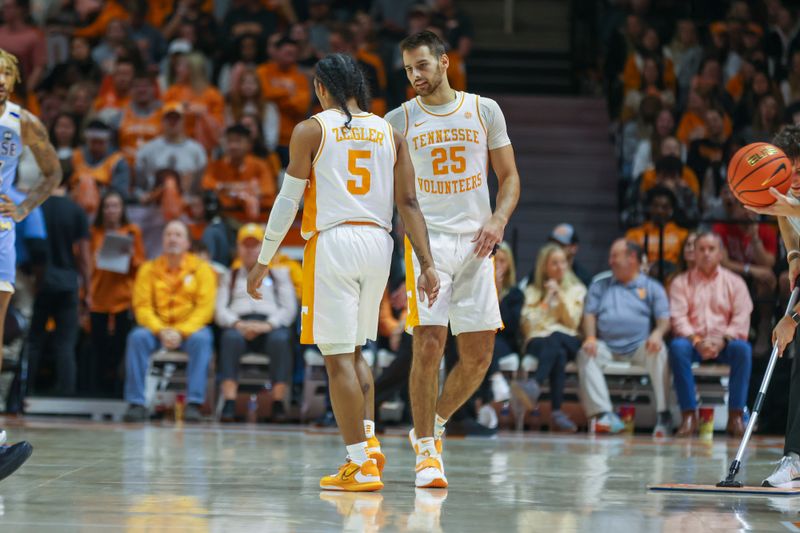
(762,392)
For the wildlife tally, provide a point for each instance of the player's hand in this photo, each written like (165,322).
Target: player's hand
(784,206)
(428,286)
(783,334)
(590,347)
(489,236)
(254,279)
(11,210)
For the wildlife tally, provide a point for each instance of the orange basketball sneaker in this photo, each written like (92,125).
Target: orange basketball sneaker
(354,478)
(374,452)
(429,469)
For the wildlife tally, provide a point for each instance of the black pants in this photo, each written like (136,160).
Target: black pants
(792,443)
(553,353)
(394,378)
(109,333)
(63,307)
(277,344)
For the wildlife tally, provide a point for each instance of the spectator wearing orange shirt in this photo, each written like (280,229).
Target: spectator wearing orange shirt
(105,12)
(97,167)
(115,90)
(650,46)
(111,295)
(670,147)
(693,124)
(284,84)
(663,255)
(204,104)
(140,120)
(239,177)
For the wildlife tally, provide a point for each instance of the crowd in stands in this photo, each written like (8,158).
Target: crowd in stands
(687,84)
(172,122)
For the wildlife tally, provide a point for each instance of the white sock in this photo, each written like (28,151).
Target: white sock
(794,456)
(438,428)
(358,452)
(426,444)
(369,428)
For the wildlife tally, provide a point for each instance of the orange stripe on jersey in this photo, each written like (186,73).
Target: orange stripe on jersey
(405,110)
(391,140)
(307,313)
(411,289)
(480,118)
(309,225)
(322,142)
(422,106)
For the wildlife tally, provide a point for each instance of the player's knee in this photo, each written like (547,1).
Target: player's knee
(478,363)
(428,351)
(338,365)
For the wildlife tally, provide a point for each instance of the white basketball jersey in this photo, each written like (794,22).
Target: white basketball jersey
(352,176)
(450,153)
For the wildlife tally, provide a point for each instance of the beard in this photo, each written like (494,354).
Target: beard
(433,83)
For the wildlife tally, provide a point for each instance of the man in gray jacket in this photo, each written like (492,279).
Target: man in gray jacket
(261,326)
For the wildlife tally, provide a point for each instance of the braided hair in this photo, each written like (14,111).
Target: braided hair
(344,79)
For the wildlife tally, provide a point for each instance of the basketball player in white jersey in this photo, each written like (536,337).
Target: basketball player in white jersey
(452,137)
(350,166)
(18,128)
(787,209)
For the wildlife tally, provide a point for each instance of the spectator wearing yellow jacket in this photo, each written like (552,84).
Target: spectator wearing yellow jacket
(173,301)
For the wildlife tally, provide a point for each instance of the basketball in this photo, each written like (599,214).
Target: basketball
(754,169)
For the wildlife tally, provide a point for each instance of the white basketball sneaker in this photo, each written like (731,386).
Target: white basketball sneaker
(786,474)
(429,468)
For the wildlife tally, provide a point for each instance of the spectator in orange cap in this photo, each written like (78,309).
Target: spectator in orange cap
(172,149)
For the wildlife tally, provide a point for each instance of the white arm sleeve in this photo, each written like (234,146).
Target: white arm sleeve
(281,216)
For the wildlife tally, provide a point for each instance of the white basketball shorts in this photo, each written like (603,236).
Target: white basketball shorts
(467,295)
(345,270)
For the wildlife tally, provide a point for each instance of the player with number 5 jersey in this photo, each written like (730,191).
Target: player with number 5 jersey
(452,137)
(350,167)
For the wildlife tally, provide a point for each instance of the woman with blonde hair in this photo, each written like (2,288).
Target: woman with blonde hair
(550,320)
(204,104)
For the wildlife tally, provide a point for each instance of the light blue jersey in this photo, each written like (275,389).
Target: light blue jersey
(10,150)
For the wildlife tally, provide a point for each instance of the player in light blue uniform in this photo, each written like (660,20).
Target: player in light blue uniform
(17,128)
